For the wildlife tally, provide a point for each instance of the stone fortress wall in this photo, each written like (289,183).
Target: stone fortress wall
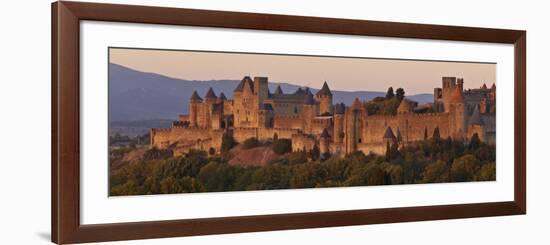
(314,121)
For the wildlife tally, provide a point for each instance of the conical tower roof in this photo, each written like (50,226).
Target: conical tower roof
(309,98)
(278,90)
(484,86)
(475,119)
(325,90)
(222,97)
(246,81)
(195,96)
(493,87)
(210,94)
(325,134)
(457,96)
(388,135)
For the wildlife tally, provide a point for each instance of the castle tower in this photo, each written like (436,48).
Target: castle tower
(261,90)
(449,85)
(339,110)
(483,106)
(460,84)
(354,126)
(242,96)
(210,99)
(476,125)
(194,103)
(265,116)
(324,96)
(324,141)
(210,96)
(457,114)
(221,98)
(309,112)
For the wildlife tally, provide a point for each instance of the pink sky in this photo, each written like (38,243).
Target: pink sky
(346,74)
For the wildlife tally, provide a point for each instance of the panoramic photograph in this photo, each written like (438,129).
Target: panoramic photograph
(196,121)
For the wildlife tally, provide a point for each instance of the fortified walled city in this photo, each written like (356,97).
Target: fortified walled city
(314,121)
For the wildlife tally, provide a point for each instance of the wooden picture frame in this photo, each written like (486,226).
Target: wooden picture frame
(66,227)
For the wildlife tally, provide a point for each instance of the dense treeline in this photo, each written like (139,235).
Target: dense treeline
(430,161)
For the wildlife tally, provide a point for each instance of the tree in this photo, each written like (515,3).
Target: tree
(390,94)
(400,94)
(388,151)
(297,157)
(464,168)
(212,151)
(394,149)
(475,142)
(282,146)
(228,142)
(436,172)
(314,153)
(487,172)
(217,176)
(250,143)
(436,136)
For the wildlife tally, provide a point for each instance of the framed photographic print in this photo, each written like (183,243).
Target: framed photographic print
(177,122)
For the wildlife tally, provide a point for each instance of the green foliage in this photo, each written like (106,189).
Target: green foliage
(464,168)
(282,146)
(475,142)
(400,94)
(297,157)
(487,172)
(383,106)
(250,143)
(436,172)
(429,161)
(155,153)
(436,137)
(314,153)
(212,151)
(228,142)
(217,176)
(390,94)
(424,110)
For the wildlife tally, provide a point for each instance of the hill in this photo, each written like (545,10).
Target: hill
(137,96)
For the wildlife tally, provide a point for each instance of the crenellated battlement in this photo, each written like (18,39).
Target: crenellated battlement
(254,111)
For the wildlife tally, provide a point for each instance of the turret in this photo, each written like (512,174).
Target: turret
(210,96)
(309,111)
(194,103)
(221,98)
(339,110)
(460,84)
(261,90)
(476,125)
(354,125)
(457,113)
(278,91)
(324,96)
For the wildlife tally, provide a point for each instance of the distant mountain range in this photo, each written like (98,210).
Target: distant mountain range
(142,96)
